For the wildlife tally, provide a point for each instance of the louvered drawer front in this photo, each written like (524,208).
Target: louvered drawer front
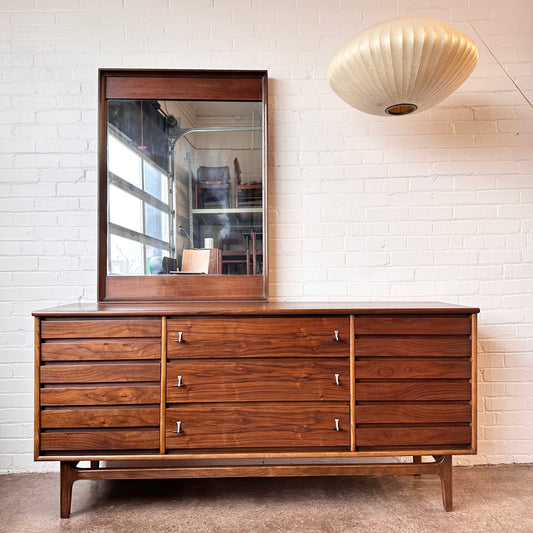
(413,382)
(251,380)
(412,325)
(100,384)
(257,426)
(101,328)
(259,337)
(100,350)
(103,440)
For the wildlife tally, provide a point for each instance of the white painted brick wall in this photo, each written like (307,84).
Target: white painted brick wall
(436,206)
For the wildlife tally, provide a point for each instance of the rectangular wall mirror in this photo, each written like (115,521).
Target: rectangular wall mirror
(182,185)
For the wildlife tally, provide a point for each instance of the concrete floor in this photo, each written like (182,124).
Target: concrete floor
(487,499)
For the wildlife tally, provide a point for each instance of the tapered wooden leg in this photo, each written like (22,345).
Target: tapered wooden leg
(67,477)
(445,474)
(417,459)
(95,464)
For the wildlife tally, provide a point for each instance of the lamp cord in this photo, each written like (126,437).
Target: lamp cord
(462,8)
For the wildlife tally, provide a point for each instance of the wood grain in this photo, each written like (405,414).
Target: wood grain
(413,413)
(414,436)
(431,390)
(100,440)
(272,379)
(72,329)
(100,395)
(412,346)
(103,417)
(252,337)
(415,325)
(100,349)
(395,368)
(100,372)
(258,426)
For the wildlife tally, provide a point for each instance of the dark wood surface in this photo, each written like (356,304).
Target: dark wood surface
(259,337)
(414,436)
(416,325)
(115,439)
(419,390)
(406,368)
(100,417)
(413,346)
(100,349)
(248,380)
(254,309)
(258,425)
(413,413)
(72,329)
(184,84)
(100,373)
(116,394)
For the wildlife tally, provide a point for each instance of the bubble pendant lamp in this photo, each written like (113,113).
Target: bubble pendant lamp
(402,65)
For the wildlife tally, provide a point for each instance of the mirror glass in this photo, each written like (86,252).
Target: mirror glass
(184,187)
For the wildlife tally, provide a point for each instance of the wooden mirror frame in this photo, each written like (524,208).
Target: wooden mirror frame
(176,85)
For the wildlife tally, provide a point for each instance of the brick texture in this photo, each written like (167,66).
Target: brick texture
(436,206)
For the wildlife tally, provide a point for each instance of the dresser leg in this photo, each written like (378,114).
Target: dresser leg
(417,459)
(445,473)
(67,477)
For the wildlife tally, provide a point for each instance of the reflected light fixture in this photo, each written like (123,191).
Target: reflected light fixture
(402,65)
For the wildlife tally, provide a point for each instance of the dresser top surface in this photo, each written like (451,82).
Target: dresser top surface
(252,308)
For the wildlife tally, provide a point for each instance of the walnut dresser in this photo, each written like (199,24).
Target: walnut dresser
(254,389)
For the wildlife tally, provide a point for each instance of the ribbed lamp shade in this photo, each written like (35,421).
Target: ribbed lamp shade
(402,65)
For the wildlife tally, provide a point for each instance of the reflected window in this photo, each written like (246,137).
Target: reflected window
(139,209)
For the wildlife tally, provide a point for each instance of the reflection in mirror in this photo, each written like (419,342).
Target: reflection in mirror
(185,191)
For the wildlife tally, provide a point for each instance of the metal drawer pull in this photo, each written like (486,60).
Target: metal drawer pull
(337,382)
(179,382)
(180,333)
(336,338)
(337,428)
(178,430)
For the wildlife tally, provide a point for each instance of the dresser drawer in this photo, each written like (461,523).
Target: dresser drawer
(438,436)
(99,417)
(272,379)
(258,426)
(420,390)
(255,337)
(100,372)
(413,346)
(409,368)
(103,440)
(412,325)
(99,394)
(413,413)
(73,328)
(99,350)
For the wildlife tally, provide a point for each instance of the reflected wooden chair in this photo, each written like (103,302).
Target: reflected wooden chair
(212,187)
(250,194)
(234,250)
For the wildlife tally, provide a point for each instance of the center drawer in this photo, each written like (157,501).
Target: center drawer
(248,380)
(258,426)
(258,336)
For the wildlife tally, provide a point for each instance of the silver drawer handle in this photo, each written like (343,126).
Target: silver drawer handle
(180,334)
(179,382)
(336,337)
(178,430)
(337,428)
(337,382)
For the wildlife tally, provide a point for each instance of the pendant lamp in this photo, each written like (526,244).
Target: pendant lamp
(402,65)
